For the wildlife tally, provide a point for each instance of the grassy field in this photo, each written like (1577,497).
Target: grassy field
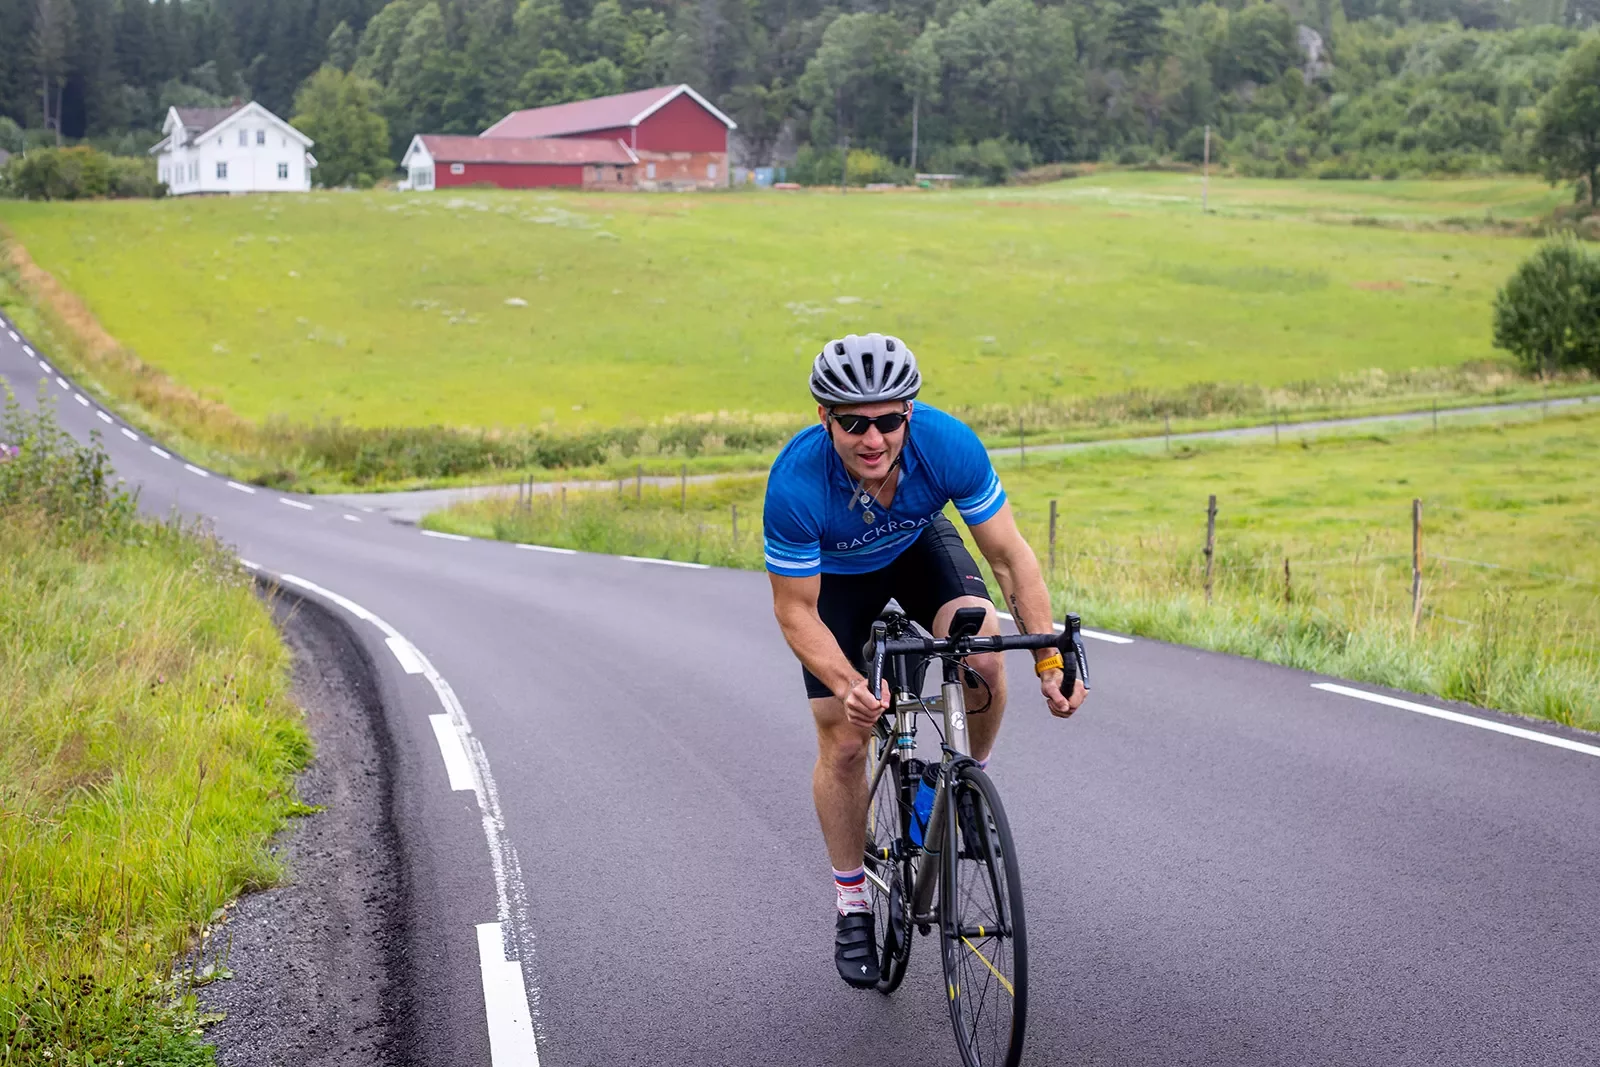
(146,755)
(1511,551)
(383,309)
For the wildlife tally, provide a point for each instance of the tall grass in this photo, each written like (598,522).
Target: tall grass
(146,754)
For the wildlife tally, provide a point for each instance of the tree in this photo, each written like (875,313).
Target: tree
(1567,140)
(1548,313)
(53,26)
(338,111)
(342,47)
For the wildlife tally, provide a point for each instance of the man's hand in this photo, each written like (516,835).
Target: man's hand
(1061,707)
(859,706)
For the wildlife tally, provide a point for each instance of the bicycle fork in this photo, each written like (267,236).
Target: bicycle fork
(926,879)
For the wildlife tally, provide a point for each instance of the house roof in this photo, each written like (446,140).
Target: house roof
(601,113)
(201,119)
(185,126)
(445,148)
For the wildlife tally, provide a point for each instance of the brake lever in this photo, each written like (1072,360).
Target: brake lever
(1075,629)
(879,652)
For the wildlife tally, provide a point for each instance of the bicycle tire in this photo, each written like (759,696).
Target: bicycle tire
(984,945)
(886,831)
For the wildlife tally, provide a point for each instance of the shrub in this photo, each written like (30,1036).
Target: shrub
(80,173)
(1548,313)
(992,161)
(816,166)
(869,168)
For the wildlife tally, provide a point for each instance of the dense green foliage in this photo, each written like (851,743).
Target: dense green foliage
(77,173)
(1338,87)
(146,756)
(1548,314)
(335,110)
(1568,136)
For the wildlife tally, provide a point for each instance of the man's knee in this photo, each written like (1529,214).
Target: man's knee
(840,743)
(991,666)
(946,613)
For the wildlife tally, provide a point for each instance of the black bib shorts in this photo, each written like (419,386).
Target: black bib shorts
(934,570)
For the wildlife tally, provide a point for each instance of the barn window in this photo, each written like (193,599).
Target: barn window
(619,174)
(711,171)
(283,171)
(649,170)
(458,168)
(222,170)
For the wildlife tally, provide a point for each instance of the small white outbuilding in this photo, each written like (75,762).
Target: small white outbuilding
(240,149)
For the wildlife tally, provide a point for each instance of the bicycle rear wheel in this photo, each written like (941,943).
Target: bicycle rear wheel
(981,925)
(884,859)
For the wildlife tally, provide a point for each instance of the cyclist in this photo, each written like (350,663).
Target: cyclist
(854,516)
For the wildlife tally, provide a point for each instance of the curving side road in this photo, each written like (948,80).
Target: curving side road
(601,779)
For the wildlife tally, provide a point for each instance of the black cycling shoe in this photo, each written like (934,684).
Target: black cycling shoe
(855,950)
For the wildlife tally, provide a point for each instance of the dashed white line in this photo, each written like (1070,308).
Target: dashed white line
(549,548)
(1457,717)
(242,488)
(506,1002)
(455,757)
(294,503)
(29,350)
(406,653)
(444,536)
(129,434)
(192,469)
(668,562)
(350,518)
(14,336)
(103,417)
(80,398)
(157,451)
(62,382)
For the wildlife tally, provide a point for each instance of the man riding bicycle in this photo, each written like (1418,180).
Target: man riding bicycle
(854,516)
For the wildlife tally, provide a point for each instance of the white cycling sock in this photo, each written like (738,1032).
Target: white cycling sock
(852,887)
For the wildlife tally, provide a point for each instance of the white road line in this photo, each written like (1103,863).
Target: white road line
(668,562)
(406,653)
(1115,639)
(14,336)
(242,488)
(456,767)
(29,350)
(248,564)
(192,469)
(350,518)
(129,434)
(157,451)
(1455,716)
(549,548)
(444,536)
(506,1002)
(103,416)
(62,382)
(294,503)
(80,398)
(505,995)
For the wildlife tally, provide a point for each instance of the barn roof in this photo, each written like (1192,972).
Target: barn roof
(601,113)
(446,148)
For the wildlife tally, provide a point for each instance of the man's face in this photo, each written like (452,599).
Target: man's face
(870,455)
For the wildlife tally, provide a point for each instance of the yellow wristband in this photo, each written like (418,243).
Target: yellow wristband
(1049,663)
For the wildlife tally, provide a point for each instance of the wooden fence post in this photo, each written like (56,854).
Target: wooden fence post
(563,502)
(1022,443)
(1052,537)
(1169,433)
(1274,425)
(1416,563)
(638,482)
(1211,540)
(735,523)
(683,488)
(1288,591)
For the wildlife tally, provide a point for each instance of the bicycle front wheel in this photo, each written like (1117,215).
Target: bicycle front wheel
(982,929)
(885,862)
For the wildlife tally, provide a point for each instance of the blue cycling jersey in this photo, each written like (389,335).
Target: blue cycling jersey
(811,527)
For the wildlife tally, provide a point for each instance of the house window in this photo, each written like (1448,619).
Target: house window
(618,174)
(194,171)
(283,172)
(222,171)
(711,171)
(244,138)
(458,168)
(261,137)
(649,170)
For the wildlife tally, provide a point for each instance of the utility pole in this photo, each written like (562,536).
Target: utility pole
(916,106)
(1205,173)
(1416,564)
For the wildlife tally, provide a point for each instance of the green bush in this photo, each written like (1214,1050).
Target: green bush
(816,166)
(992,162)
(869,168)
(79,173)
(1548,313)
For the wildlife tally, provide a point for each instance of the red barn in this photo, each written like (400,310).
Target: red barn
(680,139)
(440,161)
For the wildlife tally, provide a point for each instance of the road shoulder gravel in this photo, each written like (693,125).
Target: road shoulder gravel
(319,962)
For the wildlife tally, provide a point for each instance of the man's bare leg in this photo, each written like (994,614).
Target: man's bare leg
(839,783)
(981,728)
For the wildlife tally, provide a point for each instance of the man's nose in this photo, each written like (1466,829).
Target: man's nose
(873,439)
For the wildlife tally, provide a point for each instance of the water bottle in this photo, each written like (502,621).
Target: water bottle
(922,806)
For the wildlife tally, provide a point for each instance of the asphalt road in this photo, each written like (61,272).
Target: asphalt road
(1223,864)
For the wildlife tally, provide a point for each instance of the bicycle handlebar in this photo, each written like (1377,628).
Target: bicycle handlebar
(1075,661)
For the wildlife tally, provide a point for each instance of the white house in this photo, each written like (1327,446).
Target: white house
(240,149)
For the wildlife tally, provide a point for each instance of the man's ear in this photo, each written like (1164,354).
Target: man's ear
(822,414)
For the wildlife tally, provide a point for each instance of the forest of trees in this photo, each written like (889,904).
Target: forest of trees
(1290,86)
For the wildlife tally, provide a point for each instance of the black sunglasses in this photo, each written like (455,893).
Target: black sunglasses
(856,425)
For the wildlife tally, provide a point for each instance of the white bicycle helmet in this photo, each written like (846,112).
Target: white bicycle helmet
(864,369)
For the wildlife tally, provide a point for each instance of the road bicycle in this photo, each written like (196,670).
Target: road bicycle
(939,853)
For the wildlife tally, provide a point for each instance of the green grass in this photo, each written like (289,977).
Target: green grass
(383,309)
(1521,635)
(146,755)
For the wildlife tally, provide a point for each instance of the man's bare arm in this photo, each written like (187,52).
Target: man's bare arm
(794,602)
